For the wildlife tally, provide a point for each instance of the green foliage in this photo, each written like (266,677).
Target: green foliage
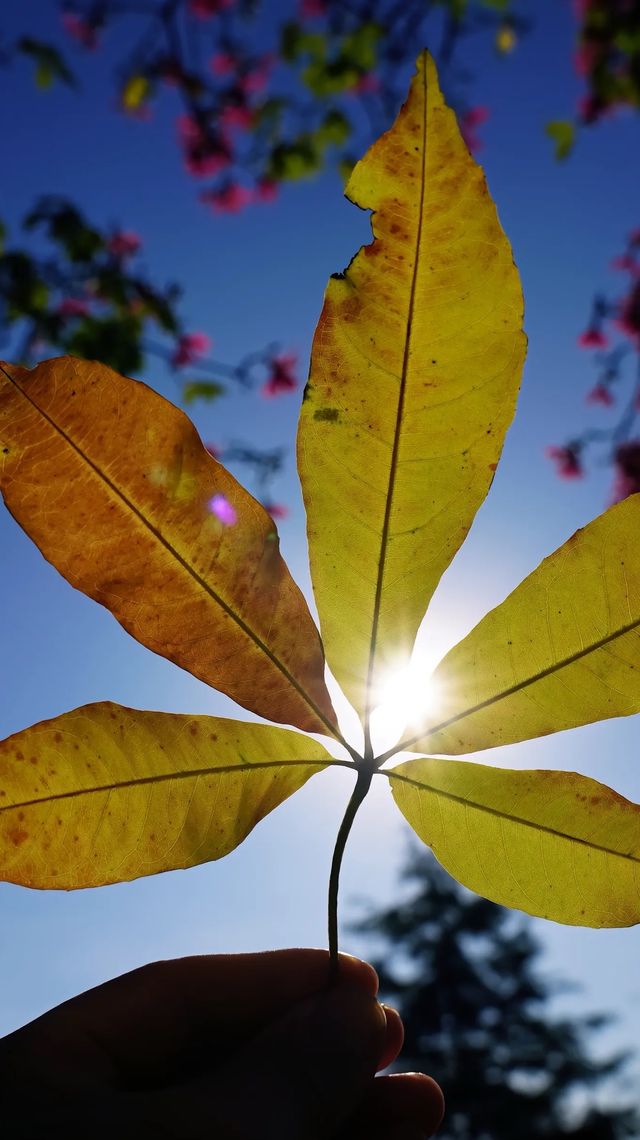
(207,390)
(50,64)
(115,340)
(563,134)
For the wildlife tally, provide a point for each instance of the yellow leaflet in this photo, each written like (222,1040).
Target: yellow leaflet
(106,794)
(562,650)
(554,844)
(113,484)
(414,374)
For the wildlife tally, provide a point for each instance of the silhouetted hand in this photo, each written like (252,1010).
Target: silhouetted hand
(231,1047)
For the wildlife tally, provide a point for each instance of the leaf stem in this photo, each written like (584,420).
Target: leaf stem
(363,783)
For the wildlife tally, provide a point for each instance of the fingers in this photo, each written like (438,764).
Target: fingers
(209,1005)
(303,1076)
(404,1106)
(394,1037)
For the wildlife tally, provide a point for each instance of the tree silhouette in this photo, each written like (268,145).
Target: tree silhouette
(463,974)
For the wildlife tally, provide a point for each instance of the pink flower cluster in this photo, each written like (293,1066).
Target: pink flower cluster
(601,394)
(469,123)
(190,347)
(276,510)
(627,471)
(231,197)
(567,461)
(80,30)
(206,9)
(73,307)
(625,315)
(205,152)
(628,320)
(593,337)
(124,243)
(281,376)
(312,9)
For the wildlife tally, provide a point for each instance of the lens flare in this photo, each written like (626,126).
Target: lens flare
(407,697)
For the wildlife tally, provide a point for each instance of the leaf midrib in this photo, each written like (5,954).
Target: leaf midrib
(384,536)
(474,805)
(405,745)
(190,570)
(163,777)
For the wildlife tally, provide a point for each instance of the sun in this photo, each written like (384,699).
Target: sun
(405,697)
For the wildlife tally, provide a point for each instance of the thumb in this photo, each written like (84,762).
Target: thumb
(305,1074)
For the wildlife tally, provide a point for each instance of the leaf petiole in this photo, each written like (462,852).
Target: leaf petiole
(363,783)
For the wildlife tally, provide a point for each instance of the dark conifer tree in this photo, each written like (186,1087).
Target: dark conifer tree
(464,975)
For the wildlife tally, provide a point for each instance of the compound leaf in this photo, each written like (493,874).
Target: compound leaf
(414,374)
(113,484)
(554,844)
(106,794)
(562,650)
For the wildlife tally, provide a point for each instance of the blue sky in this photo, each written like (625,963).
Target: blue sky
(248,280)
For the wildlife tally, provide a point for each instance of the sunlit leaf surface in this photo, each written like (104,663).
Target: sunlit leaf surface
(114,485)
(415,369)
(554,844)
(105,793)
(562,650)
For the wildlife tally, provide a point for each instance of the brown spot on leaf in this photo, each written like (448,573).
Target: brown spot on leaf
(17,835)
(330,415)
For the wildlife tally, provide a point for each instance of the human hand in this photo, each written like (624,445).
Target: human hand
(229,1047)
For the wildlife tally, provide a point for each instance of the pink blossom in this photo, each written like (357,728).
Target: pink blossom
(281,376)
(220,506)
(276,510)
(124,243)
(368,83)
(223,63)
(626,263)
(601,394)
(204,154)
(627,471)
(634,237)
(590,108)
(469,123)
(73,307)
(629,320)
(190,347)
(587,56)
(567,461)
(205,9)
(230,199)
(253,81)
(236,116)
(266,190)
(80,30)
(312,9)
(592,338)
